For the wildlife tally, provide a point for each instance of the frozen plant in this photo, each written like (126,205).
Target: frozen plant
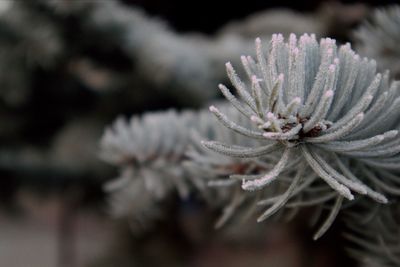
(379,38)
(157,155)
(150,151)
(374,234)
(320,106)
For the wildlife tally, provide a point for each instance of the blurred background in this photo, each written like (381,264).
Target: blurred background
(68,68)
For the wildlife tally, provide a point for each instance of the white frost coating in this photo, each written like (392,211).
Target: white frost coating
(335,100)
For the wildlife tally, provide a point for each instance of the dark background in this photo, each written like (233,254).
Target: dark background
(207,16)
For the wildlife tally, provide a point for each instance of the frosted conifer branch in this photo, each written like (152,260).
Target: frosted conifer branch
(150,149)
(379,38)
(154,148)
(375,241)
(318,111)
